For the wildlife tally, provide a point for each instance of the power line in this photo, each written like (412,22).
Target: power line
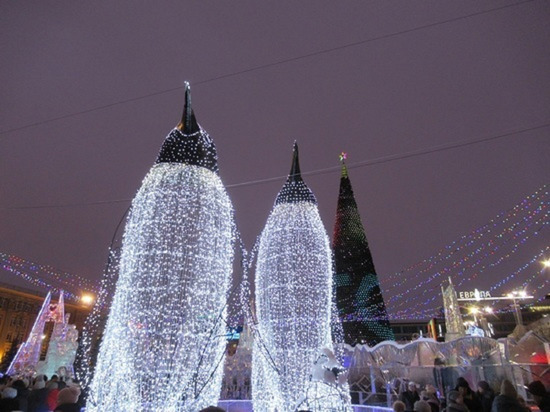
(364,163)
(265,66)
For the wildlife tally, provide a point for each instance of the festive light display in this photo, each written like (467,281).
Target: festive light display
(164,342)
(358,294)
(535,201)
(471,256)
(293,303)
(86,356)
(47,277)
(26,360)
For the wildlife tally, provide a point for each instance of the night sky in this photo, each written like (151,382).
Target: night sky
(89,90)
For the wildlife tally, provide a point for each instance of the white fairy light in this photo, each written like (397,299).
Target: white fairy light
(164,342)
(293,302)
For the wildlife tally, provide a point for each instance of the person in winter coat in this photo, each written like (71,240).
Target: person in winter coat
(422,406)
(398,406)
(22,394)
(469,396)
(540,395)
(8,402)
(409,397)
(38,397)
(430,396)
(67,400)
(485,395)
(53,388)
(507,401)
(455,402)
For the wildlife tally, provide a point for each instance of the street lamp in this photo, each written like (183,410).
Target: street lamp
(515,295)
(87,299)
(474,311)
(546,263)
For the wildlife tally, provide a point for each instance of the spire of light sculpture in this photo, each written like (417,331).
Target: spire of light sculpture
(293,301)
(359,298)
(164,344)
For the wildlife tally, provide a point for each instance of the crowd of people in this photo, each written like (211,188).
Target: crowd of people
(464,399)
(58,395)
(40,395)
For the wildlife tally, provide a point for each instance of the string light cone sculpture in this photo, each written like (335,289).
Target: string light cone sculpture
(359,298)
(164,342)
(293,303)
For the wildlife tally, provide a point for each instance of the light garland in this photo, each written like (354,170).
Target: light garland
(293,302)
(490,246)
(47,277)
(532,202)
(94,325)
(164,340)
(534,282)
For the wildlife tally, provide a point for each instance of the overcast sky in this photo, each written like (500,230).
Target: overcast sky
(373,78)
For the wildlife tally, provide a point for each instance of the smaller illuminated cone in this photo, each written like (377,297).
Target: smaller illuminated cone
(293,301)
(358,296)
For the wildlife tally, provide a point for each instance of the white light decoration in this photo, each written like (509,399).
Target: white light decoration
(293,305)
(164,342)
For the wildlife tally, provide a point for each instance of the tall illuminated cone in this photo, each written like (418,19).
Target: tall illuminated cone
(163,346)
(358,296)
(293,299)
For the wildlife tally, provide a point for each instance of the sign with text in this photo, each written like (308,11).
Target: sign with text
(474,295)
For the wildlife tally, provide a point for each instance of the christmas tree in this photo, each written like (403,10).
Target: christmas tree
(359,298)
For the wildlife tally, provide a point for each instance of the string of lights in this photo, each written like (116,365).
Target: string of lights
(39,282)
(96,320)
(44,275)
(466,261)
(534,282)
(531,206)
(538,199)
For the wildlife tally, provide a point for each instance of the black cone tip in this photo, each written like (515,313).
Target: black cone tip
(295,190)
(188,143)
(295,174)
(188,124)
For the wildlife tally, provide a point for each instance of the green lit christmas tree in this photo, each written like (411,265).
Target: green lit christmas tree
(358,296)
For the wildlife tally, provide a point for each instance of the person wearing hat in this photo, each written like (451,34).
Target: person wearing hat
(8,402)
(486,395)
(409,397)
(38,397)
(22,394)
(67,399)
(430,396)
(455,402)
(469,396)
(507,401)
(540,395)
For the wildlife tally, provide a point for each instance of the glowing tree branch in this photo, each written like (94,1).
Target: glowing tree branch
(164,340)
